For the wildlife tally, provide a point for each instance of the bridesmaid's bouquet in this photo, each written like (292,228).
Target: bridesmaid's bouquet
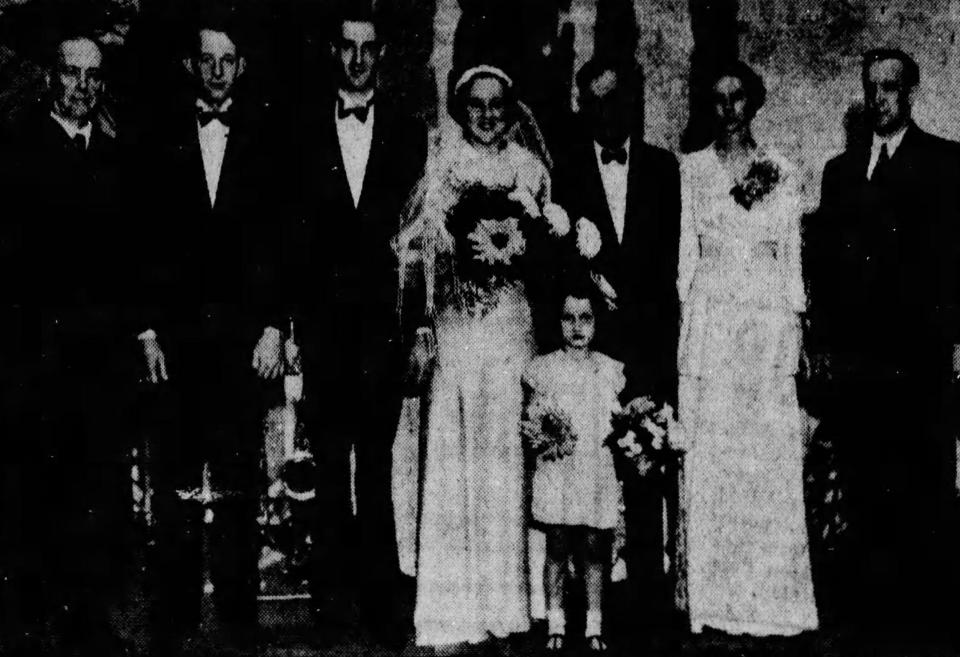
(648,438)
(548,431)
(761,179)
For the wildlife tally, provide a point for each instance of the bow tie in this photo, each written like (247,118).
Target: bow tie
(618,155)
(204,117)
(360,111)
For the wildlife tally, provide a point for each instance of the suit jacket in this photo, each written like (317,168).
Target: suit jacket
(66,204)
(644,329)
(341,273)
(221,259)
(883,260)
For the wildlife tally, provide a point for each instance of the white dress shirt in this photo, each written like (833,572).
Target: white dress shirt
(213,144)
(356,138)
(72,130)
(614,176)
(892,142)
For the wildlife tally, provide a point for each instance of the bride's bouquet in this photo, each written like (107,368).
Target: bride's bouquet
(647,436)
(548,431)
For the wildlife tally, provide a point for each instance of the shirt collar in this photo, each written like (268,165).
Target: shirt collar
(204,106)
(71,128)
(597,148)
(355,99)
(892,141)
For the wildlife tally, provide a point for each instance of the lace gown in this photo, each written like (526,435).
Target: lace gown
(472,571)
(748,563)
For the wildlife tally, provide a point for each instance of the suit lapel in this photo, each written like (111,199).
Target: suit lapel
(636,193)
(378,153)
(596,200)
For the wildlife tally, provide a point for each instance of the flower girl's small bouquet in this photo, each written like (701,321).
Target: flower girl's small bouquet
(548,431)
(647,436)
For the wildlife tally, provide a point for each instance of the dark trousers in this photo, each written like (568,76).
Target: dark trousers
(82,492)
(354,562)
(896,457)
(648,597)
(210,411)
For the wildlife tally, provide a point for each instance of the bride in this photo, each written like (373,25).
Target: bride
(479,220)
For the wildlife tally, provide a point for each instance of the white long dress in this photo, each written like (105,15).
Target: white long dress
(748,562)
(472,570)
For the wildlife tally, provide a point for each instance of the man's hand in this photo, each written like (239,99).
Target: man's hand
(640,405)
(266,355)
(155,360)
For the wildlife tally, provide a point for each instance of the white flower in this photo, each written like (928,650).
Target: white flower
(609,294)
(524,197)
(588,238)
(558,219)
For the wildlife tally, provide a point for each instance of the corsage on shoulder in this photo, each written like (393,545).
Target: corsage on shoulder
(761,179)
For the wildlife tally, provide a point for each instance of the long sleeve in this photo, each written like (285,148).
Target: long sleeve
(689,243)
(792,261)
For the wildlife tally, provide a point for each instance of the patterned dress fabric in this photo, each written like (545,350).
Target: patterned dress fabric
(582,488)
(740,283)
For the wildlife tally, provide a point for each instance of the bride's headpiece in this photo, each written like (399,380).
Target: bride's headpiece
(482,69)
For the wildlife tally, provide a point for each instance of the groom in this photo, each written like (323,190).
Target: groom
(359,161)
(631,192)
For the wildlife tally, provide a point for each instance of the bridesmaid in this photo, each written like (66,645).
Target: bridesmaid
(741,291)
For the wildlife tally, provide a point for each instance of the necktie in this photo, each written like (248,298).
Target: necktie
(883,163)
(360,111)
(618,155)
(80,141)
(204,117)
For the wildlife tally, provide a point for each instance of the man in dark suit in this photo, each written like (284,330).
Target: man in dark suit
(206,189)
(360,160)
(631,192)
(65,196)
(882,264)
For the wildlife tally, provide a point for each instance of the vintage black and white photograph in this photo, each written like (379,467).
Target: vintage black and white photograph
(481,328)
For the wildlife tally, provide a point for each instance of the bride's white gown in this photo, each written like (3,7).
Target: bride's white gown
(472,553)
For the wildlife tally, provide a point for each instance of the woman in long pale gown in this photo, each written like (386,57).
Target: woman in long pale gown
(740,284)
(472,573)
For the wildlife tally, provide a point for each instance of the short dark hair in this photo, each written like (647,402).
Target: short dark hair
(457,100)
(354,11)
(578,284)
(597,66)
(752,83)
(216,17)
(911,70)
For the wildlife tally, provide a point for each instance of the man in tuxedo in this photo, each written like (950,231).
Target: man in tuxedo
(65,195)
(206,189)
(631,192)
(360,161)
(883,265)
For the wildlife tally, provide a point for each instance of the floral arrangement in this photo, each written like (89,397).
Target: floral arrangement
(548,431)
(646,435)
(761,179)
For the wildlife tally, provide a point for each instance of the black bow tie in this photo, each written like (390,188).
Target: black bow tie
(618,155)
(360,111)
(204,117)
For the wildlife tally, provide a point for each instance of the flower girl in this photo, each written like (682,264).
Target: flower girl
(571,395)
